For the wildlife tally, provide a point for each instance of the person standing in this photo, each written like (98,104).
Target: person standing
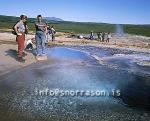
(53,32)
(21,29)
(91,35)
(108,37)
(99,35)
(103,36)
(47,35)
(40,36)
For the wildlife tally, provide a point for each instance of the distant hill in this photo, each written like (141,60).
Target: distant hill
(53,19)
(7,22)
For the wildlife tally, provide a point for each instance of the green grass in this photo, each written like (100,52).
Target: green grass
(138,29)
(7,22)
(77,27)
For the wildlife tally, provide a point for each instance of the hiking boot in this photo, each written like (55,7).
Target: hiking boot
(20,59)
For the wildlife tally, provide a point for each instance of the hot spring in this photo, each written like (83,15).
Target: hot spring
(124,82)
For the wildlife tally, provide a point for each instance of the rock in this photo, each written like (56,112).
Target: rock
(41,58)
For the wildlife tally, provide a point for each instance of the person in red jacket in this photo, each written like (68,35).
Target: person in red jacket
(21,29)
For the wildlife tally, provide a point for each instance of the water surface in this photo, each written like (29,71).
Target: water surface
(71,69)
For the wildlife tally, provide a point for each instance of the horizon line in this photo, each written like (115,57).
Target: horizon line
(83,21)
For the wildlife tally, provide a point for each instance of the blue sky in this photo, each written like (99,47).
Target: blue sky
(108,11)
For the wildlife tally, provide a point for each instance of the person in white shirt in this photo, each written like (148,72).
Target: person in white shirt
(29,44)
(108,37)
(21,28)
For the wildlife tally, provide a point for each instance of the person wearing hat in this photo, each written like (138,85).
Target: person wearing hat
(21,29)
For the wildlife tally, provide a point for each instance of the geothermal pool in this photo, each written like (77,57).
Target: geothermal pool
(75,84)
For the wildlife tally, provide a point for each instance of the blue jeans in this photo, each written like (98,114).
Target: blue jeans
(40,42)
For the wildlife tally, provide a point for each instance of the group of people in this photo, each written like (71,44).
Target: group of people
(43,32)
(41,37)
(102,36)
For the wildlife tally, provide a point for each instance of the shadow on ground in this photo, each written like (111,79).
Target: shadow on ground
(12,53)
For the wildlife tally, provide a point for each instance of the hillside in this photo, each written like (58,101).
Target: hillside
(53,19)
(6,23)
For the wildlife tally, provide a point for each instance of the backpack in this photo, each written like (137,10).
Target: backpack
(13,29)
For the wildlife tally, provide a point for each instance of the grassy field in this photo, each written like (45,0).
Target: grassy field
(7,22)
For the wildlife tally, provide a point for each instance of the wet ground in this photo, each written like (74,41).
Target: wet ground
(109,85)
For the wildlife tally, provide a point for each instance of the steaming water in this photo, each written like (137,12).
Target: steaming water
(71,69)
(119,30)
